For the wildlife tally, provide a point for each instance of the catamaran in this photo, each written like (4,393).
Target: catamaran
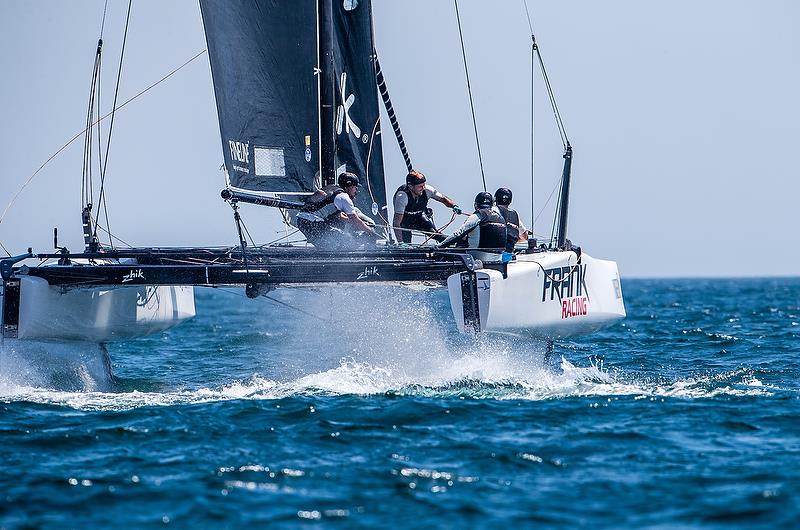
(298,87)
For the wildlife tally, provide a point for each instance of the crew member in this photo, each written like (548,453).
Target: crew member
(330,220)
(411,210)
(516,230)
(485,229)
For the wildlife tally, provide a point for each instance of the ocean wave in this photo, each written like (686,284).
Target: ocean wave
(469,377)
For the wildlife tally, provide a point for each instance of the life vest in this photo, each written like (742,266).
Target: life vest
(416,205)
(493,230)
(320,203)
(512,226)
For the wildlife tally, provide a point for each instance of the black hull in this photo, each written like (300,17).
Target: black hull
(270,266)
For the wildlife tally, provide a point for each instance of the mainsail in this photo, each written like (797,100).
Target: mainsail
(263,56)
(285,128)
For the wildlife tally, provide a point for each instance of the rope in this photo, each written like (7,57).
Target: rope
(439,230)
(78,135)
(375,130)
(469,91)
(102,199)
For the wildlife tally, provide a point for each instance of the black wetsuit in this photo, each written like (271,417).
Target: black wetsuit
(324,228)
(512,226)
(417,216)
(493,233)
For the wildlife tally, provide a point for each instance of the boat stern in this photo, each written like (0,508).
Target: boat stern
(551,294)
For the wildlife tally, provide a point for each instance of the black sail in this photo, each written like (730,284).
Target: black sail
(263,56)
(357,116)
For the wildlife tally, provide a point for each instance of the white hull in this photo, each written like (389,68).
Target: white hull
(547,294)
(94,314)
(57,336)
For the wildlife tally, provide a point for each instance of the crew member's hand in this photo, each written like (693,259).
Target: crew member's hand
(457,209)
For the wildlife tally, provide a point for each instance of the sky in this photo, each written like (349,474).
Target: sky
(683,116)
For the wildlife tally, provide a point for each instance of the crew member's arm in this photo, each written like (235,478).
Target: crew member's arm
(345,206)
(400,203)
(434,194)
(470,224)
(356,220)
(523,232)
(364,217)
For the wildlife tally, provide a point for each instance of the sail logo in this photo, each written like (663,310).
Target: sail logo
(343,120)
(367,273)
(564,282)
(240,152)
(133,275)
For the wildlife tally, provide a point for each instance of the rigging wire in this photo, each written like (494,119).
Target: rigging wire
(558,207)
(469,91)
(80,133)
(560,124)
(246,231)
(104,163)
(537,54)
(280,302)
(285,236)
(87,186)
(290,306)
(103,23)
(549,198)
(533,144)
(110,235)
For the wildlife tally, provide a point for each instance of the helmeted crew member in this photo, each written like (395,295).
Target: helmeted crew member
(516,230)
(411,210)
(485,229)
(329,219)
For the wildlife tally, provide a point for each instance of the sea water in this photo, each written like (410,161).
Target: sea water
(364,407)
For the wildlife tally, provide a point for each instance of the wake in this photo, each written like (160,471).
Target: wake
(466,378)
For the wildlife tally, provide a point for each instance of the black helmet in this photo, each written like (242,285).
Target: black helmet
(503,196)
(348,179)
(483,200)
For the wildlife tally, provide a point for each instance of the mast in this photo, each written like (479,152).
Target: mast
(327,93)
(564,200)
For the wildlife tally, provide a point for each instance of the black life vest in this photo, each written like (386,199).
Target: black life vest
(416,205)
(512,226)
(493,230)
(321,201)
